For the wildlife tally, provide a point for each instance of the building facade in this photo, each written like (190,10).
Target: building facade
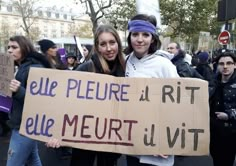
(45,22)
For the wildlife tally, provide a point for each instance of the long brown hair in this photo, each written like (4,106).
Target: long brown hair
(25,44)
(110,29)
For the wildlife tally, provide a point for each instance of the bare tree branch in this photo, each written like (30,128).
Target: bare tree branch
(87,8)
(101,8)
(26,10)
(95,10)
(100,17)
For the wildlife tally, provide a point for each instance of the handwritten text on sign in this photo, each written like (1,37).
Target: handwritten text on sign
(6,73)
(125,115)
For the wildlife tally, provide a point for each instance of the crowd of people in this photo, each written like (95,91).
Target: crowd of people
(142,58)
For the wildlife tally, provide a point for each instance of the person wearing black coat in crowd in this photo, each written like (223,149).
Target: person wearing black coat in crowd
(71,61)
(183,68)
(49,49)
(223,112)
(107,59)
(22,150)
(203,67)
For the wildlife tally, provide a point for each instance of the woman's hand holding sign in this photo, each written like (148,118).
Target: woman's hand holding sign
(14,85)
(161,155)
(53,143)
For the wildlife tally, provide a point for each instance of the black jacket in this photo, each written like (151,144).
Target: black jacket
(205,70)
(34,59)
(94,65)
(183,68)
(222,99)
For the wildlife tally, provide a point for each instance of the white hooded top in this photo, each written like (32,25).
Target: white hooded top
(151,66)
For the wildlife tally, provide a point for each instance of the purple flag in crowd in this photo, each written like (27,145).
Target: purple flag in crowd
(62,53)
(5,103)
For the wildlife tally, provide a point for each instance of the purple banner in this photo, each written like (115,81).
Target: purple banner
(5,103)
(62,53)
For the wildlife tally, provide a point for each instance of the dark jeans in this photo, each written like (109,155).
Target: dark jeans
(87,158)
(223,146)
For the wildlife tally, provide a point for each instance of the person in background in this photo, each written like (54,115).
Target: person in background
(49,49)
(195,58)
(22,150)
(183,68)
(143,60)
(107,59)
(71,61)
(87,50)
(87,53)
(203,67)
(223,112)
(215,54)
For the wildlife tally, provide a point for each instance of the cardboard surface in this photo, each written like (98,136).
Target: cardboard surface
(124,115)
(6,73)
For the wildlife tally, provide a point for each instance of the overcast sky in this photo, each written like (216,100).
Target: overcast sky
(57,2)
(67,4)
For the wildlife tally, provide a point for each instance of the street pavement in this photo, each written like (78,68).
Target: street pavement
(52,157)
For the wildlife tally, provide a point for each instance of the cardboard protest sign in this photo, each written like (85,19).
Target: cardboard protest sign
(6,73)
(124,115)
